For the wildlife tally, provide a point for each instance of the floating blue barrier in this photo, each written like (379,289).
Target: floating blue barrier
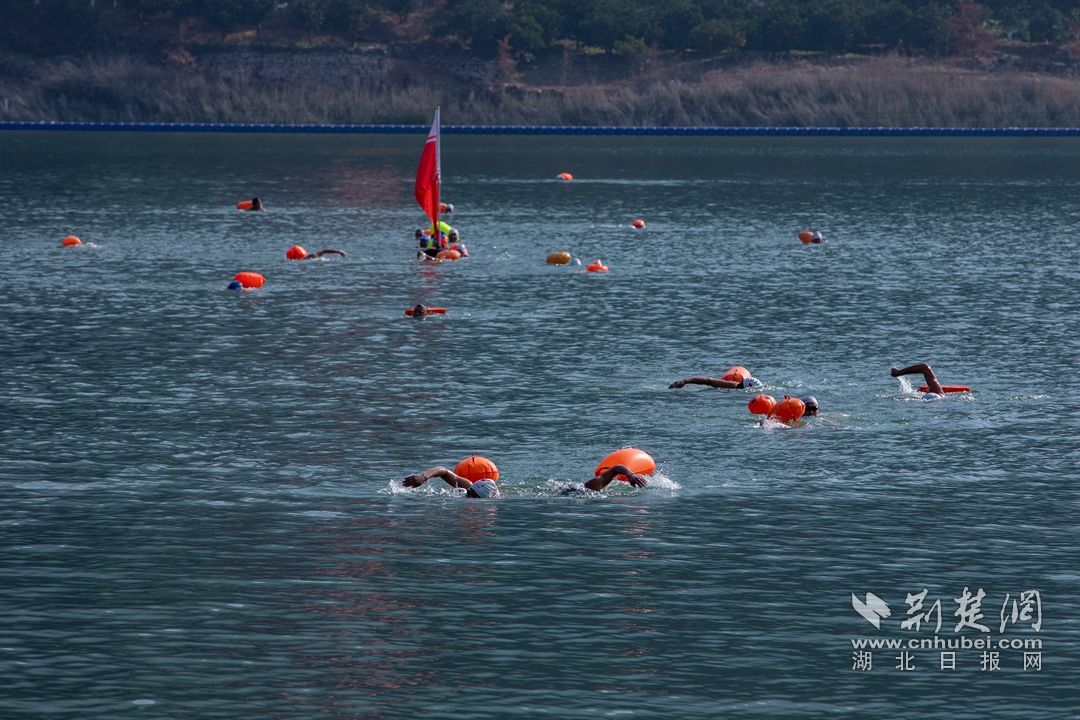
(537,129)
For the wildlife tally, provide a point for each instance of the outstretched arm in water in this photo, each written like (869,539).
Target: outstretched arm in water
(451,478)
(932,383)
(327,251)
(703,380)
(602,480)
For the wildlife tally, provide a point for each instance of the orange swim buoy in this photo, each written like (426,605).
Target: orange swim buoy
(296,252)
(947,388)
(805,236)
(788,410)
(637,460)
(244,205)
(565,176)
(597,267)
(430,311)
(735,373)
(250,279)
(761,404)
(70,241)
(477,467)
(559,257)
(448,255)
(639,223)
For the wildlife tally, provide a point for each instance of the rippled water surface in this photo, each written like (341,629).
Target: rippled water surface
(201,506)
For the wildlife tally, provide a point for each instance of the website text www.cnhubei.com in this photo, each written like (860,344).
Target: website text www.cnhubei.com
(962,642)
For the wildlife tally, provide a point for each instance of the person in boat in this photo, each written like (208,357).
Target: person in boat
(483,488)
(748,382)
(933,387)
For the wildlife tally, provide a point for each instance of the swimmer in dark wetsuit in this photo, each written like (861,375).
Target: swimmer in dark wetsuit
(483,488)
(601,481)
(320,253)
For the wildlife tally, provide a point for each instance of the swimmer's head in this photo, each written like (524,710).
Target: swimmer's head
(449,207)
(453,234)
(483,489)
(750,382)
(816,237)
(235,285)
(811,405)
(418,234)
(932,396)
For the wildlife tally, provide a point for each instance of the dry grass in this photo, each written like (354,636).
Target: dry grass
(888,92)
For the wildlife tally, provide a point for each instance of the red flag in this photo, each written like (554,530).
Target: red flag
(429,174)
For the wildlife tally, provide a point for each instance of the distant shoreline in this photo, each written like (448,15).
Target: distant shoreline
(375,129)
(338,91)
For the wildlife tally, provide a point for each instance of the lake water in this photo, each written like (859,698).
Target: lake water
(201,506)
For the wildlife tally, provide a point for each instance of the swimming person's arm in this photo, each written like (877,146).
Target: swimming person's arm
(703,380)
(451,478)
(932,384)
(602,480)
(327,251)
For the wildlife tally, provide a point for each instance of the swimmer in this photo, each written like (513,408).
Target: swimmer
(811,404)
(429,246)
(419,312)
(256,204)
(484,488)
(816,238)
(326,251)
(456,244)
(746,383)
(933,387)
(601,481)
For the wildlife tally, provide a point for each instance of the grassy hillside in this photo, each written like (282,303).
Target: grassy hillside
(119,64)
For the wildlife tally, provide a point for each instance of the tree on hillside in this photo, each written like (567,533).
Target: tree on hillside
(606,22)
(479,24)
(230,14)
(968,35)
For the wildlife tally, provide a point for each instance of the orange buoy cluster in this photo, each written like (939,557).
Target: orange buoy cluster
(597,267)
(788,410)
(477,467)
(296,252)
(71,241)
(761,404)
(639,224)
(637,461)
